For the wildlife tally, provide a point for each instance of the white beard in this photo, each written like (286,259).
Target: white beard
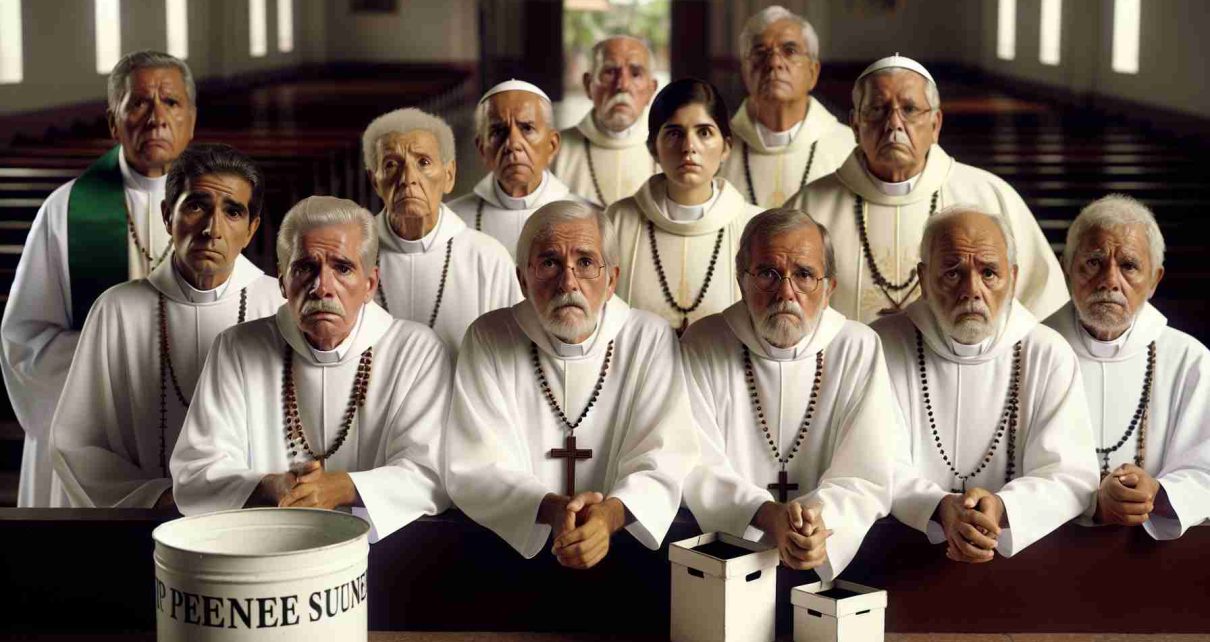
(780,331)
(969,331)
(1104,320)
(568,330)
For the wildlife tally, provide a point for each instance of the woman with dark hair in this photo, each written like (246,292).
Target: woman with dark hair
(679,233)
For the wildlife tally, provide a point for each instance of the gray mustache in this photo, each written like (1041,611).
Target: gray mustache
(316,306)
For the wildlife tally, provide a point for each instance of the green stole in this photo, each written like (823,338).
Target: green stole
(97,256)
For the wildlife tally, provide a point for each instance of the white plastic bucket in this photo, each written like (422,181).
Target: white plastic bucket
(262,574)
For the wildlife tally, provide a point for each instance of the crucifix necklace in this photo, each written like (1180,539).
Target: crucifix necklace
(778,198)
(783,485)
(296,439)
(592,172)
(569,453)
(886,286)
(659,269)
(168,373)
(1139,420)
(1008,420)
(445,270)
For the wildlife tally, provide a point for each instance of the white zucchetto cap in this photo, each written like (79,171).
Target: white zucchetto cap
(515,85)
(897,62)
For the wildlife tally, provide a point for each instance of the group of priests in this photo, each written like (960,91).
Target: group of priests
(791,326)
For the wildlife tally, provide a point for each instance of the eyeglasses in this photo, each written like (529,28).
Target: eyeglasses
(584,268)
(792,52)
(769,280)
(880,113)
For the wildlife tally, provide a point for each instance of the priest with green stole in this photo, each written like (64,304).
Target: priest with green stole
(91,234)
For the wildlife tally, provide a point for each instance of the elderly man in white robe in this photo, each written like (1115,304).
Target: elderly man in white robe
(604,158)
(785,138)
(433,269)
(832,452)
(94,232)
(145,342)
(331,402)
(516,138)
(1001,445)
(1148,384)
(570,416)
(876,204)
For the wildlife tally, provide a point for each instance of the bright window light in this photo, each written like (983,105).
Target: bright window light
(258,44)
(1126,36)
(1006,30)
(1052,29)
(12,60)
(178,27)
(285,25)
(108,27)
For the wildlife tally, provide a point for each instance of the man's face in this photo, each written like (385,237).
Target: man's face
(1111,276)
(210,225)
(326,284)
(784,315)
(967,280)
(622,84)
(690,146)
(155,122)
(569,306)
(411,179)
(517,143)
(895,125)
(777,66)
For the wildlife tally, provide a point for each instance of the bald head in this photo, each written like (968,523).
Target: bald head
(620,83)
(967,271)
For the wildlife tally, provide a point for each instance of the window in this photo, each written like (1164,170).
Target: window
(1126,36)
(1006,30)
(12,59)
(107,23)
(285,25)
(258,37)
(1052,29)
(178,27)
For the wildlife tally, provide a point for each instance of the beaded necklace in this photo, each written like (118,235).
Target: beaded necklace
(296,439)
(783,486)
(592,172)
(748,172)
(659,269)
(569,453)
(445,269)
(146,252)
(884,284)
(1139,420)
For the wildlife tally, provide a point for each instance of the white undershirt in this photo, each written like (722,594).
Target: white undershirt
(771,138)
(338,353)
(683,213)
(527,202)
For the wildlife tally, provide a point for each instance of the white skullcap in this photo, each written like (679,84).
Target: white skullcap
(514,85)
(897,62)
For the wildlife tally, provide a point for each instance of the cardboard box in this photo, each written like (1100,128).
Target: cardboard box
(838,611)
(724,592)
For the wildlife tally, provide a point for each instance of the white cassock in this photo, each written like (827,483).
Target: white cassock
(36,333)
(685,237)
(501,428)
(234,432)
(481,276)
(1178,417)
(489,210)
(107,445)
(848,455)
(895,215)
(777,161)
(620,162)
(1055,472)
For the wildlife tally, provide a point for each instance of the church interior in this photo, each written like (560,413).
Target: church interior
(1066,100)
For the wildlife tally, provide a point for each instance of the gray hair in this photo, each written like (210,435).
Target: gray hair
(599,48)
(566,212)
(939,219)
(321,211)
(548,113)
(1109,211)
(119,77)
(930,88)
(771,223)
(767,16)
(402,121)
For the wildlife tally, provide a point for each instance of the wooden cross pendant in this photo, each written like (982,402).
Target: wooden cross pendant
(783,486)
(569,453)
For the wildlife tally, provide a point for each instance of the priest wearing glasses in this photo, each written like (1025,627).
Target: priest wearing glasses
(331,401)
(570,416)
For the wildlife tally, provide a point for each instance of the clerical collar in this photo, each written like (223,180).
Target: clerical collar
(135,180)
(793,353)
(609,133)
(685,213)
(339,352)
(419,246)
(970,349)
(576,350)
(1102,349)
(901,188)
(770,138)
(200,296)
(527,202)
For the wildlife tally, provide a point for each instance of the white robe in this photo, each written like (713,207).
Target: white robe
(848,456)
(36,333)
(106,442)
(503,218)
(1055,469)
(1178,419)
(685,248)
(481,276)
(233,434)
(778,171)
(622,164)
(895,225)
(500,430)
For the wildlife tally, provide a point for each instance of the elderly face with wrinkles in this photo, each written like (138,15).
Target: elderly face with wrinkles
(326,284)
(621,83)
(966,277)
(1112,276)
(517,144)
(566,279)
(785,285)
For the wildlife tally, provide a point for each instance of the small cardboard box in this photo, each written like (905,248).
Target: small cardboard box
(838,611)
(725,591)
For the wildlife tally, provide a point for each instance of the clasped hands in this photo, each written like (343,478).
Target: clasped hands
(308,486)
(1128,496)
(972,523)
(582,526)
(799,532)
